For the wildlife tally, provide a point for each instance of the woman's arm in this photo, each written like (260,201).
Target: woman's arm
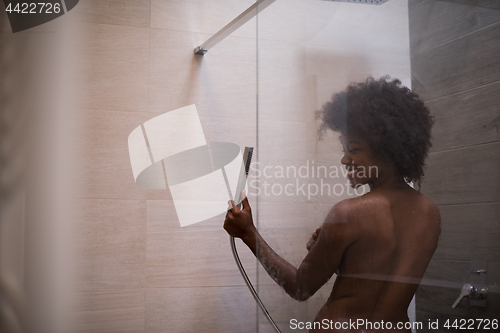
(313,239)
(318,266)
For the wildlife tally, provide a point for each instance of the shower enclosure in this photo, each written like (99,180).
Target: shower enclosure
(306,51)
(128,264)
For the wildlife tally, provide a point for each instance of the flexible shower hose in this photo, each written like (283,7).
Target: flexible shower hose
(249,285)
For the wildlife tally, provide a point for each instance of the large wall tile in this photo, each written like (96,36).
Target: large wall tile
(494,280)
(282,309)
(283,20)
(438,300)
(200,16)
(469,231)
(331,70)
(334,69)
(110,243)
(297,181)
(282,139)
(114,72)
(107,174)
(282,179)
(492,4)
(104,169)
(446,273)
(412,3)
(161,216)
(203,309)
(282,81)
(104,42)
(194,256)
(154,194)
(106,130)
(220,83)
(368,29)
(437,22)
(466,118)
(115,86)
(239,130)
(442,284)
(111,311)
(465,175)
(121,12)
(281,214)
(462,64)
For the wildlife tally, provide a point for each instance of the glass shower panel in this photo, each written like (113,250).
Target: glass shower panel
(307,51)
(455,69)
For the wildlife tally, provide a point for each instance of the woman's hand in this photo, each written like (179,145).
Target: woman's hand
(239,222)
(313,239)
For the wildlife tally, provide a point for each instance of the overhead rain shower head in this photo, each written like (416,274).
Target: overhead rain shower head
(368,2)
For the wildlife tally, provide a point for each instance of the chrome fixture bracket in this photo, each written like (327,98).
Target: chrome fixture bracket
(232,26)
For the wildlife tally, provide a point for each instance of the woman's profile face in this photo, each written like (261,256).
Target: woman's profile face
(362,164)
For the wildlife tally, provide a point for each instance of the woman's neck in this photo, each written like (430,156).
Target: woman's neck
(389,180)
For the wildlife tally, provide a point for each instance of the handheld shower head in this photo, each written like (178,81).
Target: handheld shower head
(245,168)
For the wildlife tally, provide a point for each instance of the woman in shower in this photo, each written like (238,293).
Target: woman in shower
(380,243)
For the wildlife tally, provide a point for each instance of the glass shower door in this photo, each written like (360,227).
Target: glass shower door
(307,51)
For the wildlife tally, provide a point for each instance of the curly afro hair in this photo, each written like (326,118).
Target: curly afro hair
(392,119)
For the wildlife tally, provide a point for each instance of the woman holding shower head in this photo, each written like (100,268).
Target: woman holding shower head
(380,243)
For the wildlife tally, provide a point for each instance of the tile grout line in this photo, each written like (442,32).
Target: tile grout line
(469,203)
(147,144)
(243,37)
(453,260)
(164,174)
(112,110)
(463,91)
(452,40)
(177,287)
(464,147)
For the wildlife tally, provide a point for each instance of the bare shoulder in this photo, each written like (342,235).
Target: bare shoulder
(340,227)
(430,209)
(355,209)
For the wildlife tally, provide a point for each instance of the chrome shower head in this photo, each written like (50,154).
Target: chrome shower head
(368,2)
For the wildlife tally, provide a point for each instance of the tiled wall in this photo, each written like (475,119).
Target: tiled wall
(455,69)
(137,270)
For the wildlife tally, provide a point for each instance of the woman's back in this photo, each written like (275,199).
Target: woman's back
(397,233)
(381,242)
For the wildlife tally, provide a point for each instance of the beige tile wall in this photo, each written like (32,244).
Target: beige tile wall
(111,310)
(137,269)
